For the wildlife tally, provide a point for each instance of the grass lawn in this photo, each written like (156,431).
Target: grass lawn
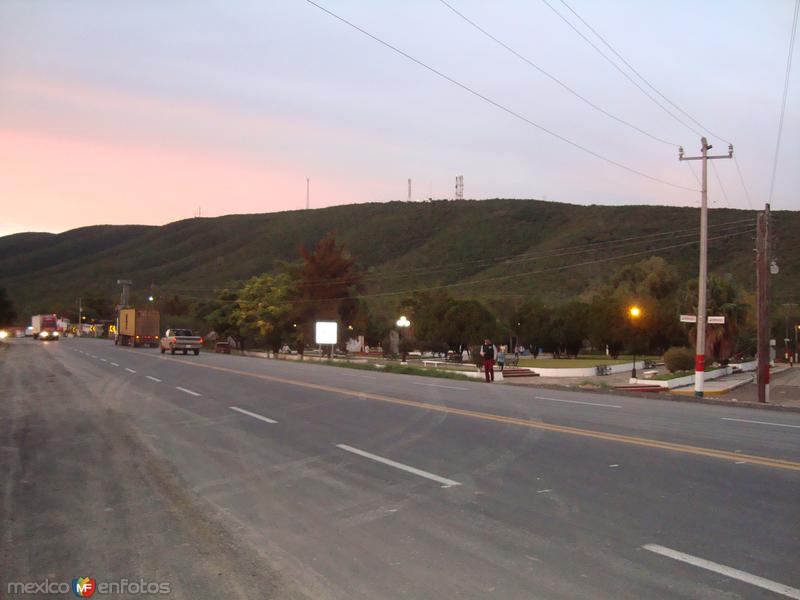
(398,368)
(675,375)
(577,363)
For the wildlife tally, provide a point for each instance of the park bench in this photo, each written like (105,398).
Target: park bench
(433,363)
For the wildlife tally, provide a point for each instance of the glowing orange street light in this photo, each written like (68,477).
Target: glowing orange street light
(635,312)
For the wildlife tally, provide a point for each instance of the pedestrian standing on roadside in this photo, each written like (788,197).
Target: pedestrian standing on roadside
(465,355)
(488,352)
(501,358)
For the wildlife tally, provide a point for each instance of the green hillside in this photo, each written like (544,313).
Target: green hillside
(487,249)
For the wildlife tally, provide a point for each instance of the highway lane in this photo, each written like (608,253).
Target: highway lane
(663,420)
(536,512)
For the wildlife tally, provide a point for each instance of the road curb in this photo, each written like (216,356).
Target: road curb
(662,396)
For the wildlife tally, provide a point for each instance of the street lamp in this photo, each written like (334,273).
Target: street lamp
(402,323)
(634,312)
(150,298)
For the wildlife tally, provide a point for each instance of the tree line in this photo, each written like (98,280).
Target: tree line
(278,308)
(270,310)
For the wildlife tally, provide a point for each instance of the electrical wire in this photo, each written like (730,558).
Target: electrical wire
(622,71)
(719,181)
(556,79)
(691,168)
(741,179)
(498,105)
(640,76)
(605,245)
(510,276)
(785,95)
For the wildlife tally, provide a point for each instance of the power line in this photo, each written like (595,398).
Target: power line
(618,68)
(640,76)
(721,187)
(741,179)
(696,178)
(515,275)
(785,94)
(603,245)
(498,105)
(554,78)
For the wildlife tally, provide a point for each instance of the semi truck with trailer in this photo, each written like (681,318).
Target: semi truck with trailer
(45,327)
(138,327)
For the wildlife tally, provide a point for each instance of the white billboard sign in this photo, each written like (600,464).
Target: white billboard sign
(326,332)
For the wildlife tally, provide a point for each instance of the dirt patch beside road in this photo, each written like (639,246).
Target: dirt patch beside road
(84,495)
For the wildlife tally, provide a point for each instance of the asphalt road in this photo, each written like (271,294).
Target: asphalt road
(236,477)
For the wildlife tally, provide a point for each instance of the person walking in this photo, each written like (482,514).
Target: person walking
(501,358)
(488,352)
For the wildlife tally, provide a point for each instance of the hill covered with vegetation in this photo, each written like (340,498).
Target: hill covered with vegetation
(491,250)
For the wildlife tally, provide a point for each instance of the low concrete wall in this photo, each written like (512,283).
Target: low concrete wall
(583,371)
(689,379)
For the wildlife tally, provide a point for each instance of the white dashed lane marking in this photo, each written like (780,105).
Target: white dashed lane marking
(186,391)
(446,483)
(252,414)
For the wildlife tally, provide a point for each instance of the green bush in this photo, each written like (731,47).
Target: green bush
(679,359)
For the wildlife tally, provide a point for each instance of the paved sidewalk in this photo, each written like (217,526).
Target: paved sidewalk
(718,387)
(784,389)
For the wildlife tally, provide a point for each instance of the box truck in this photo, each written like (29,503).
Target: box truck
(44,327)
(138,327)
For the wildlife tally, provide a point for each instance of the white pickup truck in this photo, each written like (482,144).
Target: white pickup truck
(181,340)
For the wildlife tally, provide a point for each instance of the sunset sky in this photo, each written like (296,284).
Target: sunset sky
(141,111)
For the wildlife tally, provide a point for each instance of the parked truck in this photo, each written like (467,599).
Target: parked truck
(44,327)
(138,327)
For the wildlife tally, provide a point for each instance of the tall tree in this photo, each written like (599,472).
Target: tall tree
(219,314)
(569,327)
(97,305)
(534,325)
(7,313)
(326,284)
(263,309)
(468,322)
(725,298)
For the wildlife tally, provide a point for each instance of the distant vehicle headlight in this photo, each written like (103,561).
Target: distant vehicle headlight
(43,334)
(3,334)
(55,334)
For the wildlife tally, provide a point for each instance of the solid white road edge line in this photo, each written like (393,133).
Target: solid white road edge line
(578,402)
(761,422)
(252,414)
(153,379)
(187,391)
(449,387)
(755,580)
(130,370)
(446,483)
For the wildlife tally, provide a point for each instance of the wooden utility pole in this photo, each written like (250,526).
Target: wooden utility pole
(762,304)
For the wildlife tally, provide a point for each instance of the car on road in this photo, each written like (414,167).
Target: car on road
(181,340)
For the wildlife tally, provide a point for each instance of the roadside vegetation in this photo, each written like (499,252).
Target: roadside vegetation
(399,369)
